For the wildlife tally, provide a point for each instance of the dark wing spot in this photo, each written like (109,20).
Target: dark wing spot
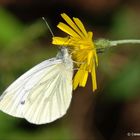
(22,102)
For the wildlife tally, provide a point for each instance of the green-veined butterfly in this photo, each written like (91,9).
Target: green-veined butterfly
(43,94)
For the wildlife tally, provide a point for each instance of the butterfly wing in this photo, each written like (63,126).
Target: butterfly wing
(51,97)
(12,100)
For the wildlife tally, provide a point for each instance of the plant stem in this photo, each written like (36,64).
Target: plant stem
(120,42)
(102,44)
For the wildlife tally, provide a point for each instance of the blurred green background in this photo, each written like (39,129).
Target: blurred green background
(107,114)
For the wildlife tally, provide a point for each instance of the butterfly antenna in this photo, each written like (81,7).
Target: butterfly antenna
(48,26)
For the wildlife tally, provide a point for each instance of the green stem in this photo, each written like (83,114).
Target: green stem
(120,42)
(102,44)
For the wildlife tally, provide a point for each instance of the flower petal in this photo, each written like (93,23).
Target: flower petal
(84,78)
(65,28)
(89,57)
(81,26)
(60,41)
(76,79)
(72,24)
(93,75)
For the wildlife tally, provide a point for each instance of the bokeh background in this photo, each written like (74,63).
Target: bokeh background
(110,113)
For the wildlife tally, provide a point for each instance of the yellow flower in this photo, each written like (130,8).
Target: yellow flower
(83,50)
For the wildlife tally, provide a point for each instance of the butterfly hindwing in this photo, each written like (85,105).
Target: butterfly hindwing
(51,100)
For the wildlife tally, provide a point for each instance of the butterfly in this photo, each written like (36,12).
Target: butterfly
(43,94)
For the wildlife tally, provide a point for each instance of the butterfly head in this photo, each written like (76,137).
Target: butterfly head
(66,57)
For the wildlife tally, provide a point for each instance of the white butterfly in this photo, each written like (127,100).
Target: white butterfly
(43,94)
